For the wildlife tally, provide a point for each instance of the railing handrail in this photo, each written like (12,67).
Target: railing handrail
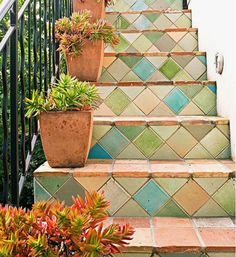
(5,6)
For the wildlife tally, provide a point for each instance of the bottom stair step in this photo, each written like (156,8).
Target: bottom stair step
(141,188)
(178,237)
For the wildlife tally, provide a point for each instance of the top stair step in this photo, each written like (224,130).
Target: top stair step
(150,19)
(140,5)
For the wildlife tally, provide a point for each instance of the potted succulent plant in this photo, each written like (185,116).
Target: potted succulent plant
(52,229)
(82,42)
(66,120)
(97,7)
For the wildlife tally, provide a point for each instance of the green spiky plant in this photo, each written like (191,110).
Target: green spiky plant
(52,229)
(68,94)
(73,33)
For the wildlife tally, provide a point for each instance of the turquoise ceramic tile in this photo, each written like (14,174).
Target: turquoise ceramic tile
(144,69)
(176,100)
(97,152)
(114,142)
(151,197)
(40,194)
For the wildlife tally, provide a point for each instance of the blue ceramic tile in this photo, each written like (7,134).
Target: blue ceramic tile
(202,59)
(176,100)
(139,6)
(144,69)
(151,197)
(212,88)
(97,152)
(142,23)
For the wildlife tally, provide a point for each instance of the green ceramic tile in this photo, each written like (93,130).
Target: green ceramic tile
(152,16)
(131,152)
(69,189)
(148,142)
(221,254)
(114,142)
(40,194)
(165,153)
(131,132)
(224,129)
(131,76)
(199,132)
(100,131)
(130,61)
(225,154)
(121,23)
(170,69)
(210,185)
(190,91)
(132,110)
(210,209)
(225,197)
(52,184)
(165,131)
(171,185)
(215,142)
(142,44)
(205,100)
(117,101)
(182,142)
(153,36)
(131,185)
(131,209)
(171,209)
(198,152)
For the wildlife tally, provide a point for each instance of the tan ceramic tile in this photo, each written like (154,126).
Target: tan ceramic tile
(191,197)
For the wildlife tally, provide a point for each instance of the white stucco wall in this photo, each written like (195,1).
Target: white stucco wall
(216,21)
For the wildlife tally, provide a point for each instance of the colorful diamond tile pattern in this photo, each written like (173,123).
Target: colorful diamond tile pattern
(183,141)
(152,67)
(140,5)
(156,41)
(150,20)
(189,195)
(156,100)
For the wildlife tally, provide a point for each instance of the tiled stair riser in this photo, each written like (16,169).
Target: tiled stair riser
(149,193)
(160,142)
(127,5)
(150,19)
(207,254)
(175,40)
(155,99)
(154,67)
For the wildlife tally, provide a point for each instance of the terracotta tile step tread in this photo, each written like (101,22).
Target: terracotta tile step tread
(152,11)
(171,235)
(146,168)
(159,30)
(169,54)
(161,121)
(155,83)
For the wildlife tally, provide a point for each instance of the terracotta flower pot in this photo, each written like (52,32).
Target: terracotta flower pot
(88,65)
(97,8)
(66,137)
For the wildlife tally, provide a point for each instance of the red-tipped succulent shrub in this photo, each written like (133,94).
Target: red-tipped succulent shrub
(52,229)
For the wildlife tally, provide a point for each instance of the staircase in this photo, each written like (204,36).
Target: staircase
(159,151)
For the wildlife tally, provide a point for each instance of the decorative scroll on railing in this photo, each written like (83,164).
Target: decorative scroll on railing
(186,4)
(28,60)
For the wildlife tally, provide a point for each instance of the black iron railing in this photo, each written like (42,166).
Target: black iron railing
(186,4)
(29,60)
